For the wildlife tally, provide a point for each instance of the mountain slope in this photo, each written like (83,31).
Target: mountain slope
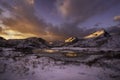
(32,42)
(96,39)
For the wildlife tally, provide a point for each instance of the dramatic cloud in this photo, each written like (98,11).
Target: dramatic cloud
(31,1)
(117,18)
(24,18)
(78,11)
(114,30)
(25,21)
(83,9)
(0,11)
(21,17)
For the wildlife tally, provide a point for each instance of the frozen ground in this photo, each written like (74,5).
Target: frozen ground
(59,65)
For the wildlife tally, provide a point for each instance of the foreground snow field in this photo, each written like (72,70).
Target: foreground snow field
(58,65)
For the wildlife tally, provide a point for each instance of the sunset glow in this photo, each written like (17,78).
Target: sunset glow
(8,33)
(95,34)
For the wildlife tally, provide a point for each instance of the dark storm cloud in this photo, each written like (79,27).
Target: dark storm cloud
(114,29)
(83,9)
(0,11)
(78,11)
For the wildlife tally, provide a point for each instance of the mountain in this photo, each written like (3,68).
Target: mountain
(32,42)
(95,39)
(98,34)
(71,40)
(113,42)
(2,42)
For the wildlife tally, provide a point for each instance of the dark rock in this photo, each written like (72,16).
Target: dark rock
(1,38)
(2,42)
(30,43)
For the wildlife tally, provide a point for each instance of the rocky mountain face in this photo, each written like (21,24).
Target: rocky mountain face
(2,42)
(104,39)
(112,42)
(32,42)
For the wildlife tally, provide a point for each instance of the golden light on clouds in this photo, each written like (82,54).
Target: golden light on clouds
(8,33)
(23,23)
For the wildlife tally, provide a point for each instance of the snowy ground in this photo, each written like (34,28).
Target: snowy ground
(59,65)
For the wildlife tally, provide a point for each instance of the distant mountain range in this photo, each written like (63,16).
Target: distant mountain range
(32,42)
(100,38)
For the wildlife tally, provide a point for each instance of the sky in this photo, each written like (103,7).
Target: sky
(55,19)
